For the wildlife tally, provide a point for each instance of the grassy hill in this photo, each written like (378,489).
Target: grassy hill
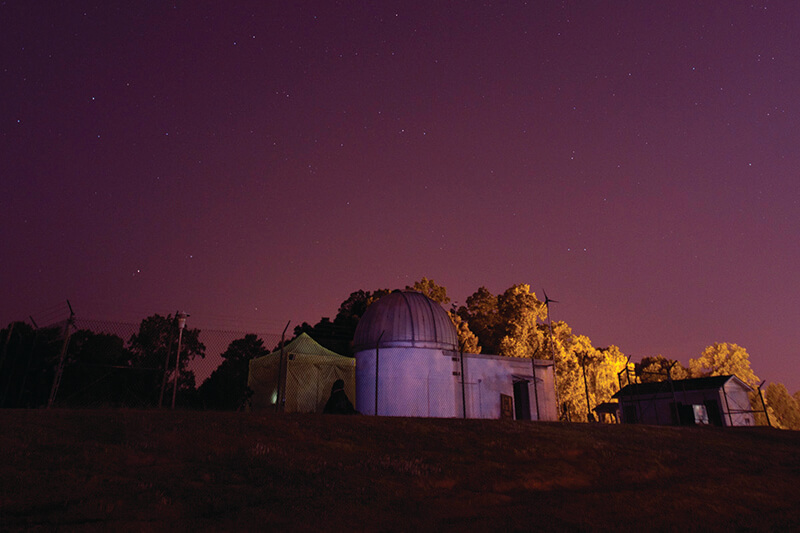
(157,470)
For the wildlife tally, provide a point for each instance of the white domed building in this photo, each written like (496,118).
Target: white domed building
(406,348)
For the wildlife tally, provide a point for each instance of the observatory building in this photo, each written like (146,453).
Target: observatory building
(408,363)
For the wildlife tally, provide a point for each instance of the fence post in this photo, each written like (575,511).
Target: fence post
(60,369)
(377,348)
(280,401)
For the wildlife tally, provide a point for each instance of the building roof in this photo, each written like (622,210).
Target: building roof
(680,385)
(405,319)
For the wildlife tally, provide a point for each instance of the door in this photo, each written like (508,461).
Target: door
(522,400)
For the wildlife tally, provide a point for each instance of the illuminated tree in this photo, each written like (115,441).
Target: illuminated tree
(654,368)
(784,409)
(722,359)
(565,348)
(467,340)
(610,362)
(519,313)
(574,354)
(431,289)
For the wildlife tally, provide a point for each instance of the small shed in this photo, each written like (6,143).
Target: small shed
(716,400)
(310,369)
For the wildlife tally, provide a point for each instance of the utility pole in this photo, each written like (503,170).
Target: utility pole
(181,324)
(166,366)
(589,416)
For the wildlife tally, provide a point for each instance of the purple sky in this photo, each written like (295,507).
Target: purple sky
(255,164)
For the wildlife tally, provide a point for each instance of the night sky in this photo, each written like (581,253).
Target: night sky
(255,164)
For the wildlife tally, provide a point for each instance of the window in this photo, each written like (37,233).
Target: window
(700,414)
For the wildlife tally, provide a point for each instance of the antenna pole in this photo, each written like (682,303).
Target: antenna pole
(547,302)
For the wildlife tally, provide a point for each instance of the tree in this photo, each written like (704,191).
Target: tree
(655,368)
(783,407)
(570,390)
(519,311)
(149,348)
(467,341)
(94,371)
(28,359)
(431,289)
(722,359)
(575,354)
(226,387)
(481,315)
(605,372)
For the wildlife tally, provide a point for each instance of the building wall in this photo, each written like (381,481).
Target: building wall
(411,382)
(489,376)
(427,383)
(738,401)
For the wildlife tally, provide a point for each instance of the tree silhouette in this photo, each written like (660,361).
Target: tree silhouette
(150,348)
(226,387)
(28,358)
(95,372)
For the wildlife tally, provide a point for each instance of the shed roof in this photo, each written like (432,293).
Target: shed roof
(693,384)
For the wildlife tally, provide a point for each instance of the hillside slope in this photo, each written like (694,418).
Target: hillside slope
(153,470)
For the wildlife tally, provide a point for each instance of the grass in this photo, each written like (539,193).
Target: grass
(187,470)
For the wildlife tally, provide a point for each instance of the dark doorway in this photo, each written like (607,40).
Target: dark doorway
(714,413)
(522,400)
(685,414)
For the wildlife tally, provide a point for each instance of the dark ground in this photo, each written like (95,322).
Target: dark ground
(187,470)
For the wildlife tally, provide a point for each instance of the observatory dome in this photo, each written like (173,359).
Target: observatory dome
(406,319)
